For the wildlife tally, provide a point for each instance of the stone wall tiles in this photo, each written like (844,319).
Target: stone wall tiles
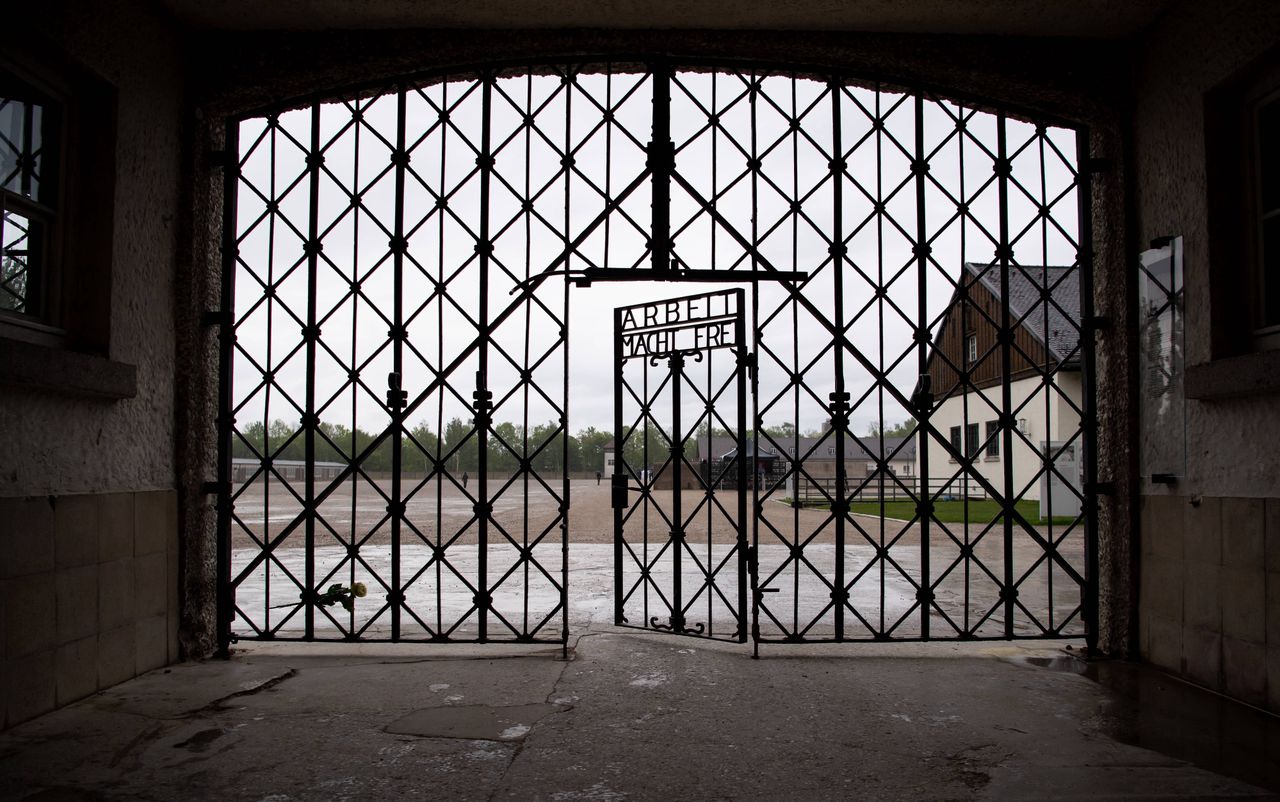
(1165,526)
(1202,520)
(88,586)
(1244,604)
(75,526)
(115,594)
(1243,532)
(76,670)
(30,614)
(29,686)
(116,517)
(1225,633)
(1271,523)
(117,652)
(1244,670)
(77,596)
(26,540)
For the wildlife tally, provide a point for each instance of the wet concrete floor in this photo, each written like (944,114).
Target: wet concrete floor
(639,716)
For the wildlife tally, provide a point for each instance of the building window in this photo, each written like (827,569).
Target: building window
(971,348)
(1242,126)
(1266,174)
(972,444)
(57,180)
(993,439)
(29,148)
(955,439)
(905,470)
(831,451)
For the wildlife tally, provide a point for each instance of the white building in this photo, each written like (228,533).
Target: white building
(967,371)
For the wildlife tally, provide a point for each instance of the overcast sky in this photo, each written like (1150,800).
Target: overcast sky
(441,245)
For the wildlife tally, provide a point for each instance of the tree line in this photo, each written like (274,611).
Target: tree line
(421,447)
(506,446)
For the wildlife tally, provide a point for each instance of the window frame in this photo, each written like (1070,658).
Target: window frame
(68,349)
(1266,334)
(1233,218)
(45,325)
(76,280)
(992,450)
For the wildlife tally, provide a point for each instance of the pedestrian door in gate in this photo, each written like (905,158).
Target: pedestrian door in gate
(682,466)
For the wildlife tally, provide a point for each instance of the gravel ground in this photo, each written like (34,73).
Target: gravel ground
(798,579)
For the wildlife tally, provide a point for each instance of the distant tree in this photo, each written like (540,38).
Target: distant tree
(250,441)
(904,429)
(462,452)
(13,284)
(550,438)
(590,449)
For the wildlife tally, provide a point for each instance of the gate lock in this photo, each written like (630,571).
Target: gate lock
(618,485)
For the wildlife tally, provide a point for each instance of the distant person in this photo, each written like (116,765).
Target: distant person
(464,480)
(597,478)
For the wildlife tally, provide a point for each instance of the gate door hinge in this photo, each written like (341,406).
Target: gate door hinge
(215,317)
(1098,165)
(618,486)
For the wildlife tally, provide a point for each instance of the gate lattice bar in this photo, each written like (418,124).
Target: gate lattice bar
(920,458)
(660,561)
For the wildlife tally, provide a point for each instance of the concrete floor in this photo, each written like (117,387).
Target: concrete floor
(641,716)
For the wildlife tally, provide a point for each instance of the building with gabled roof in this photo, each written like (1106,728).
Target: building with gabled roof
(966,369)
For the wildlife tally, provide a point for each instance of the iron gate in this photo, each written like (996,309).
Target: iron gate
(395,372)
(680,542)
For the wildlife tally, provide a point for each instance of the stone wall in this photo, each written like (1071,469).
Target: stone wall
(1209,600)
(88,594)
(1211,592)
(89,546)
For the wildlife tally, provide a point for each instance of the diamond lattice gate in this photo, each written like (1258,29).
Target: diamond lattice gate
(398,265)
(679,491)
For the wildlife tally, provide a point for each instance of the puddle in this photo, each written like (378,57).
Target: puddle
(474,722)
(1150,709)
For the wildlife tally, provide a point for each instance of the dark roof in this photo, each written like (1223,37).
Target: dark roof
(1062,323)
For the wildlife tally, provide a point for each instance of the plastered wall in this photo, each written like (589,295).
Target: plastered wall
(58,443)
(1210,599)
(1195,47)
(89,545)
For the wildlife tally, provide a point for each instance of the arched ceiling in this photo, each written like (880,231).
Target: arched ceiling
(1073,18)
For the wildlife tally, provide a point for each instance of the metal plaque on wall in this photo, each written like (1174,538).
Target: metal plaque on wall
(1161,306)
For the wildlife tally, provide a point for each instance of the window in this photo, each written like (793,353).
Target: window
(993,439)
(955,439)
(29,150)
(831,451)
(971,348)
(57,180)
(1242,144)
(972,444)
(1266,175)
(906,469)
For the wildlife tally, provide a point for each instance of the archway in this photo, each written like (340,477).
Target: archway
(409,249)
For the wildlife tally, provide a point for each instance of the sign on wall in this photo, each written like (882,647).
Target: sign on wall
(1161,306)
